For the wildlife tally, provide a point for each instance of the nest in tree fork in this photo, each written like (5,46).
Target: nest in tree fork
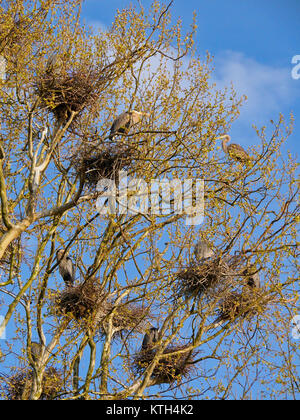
(170,367)
(18,386)
(105,164)
(198,279)
(126,317)
(88,302)
(79,301)
(68,92)
(244,305)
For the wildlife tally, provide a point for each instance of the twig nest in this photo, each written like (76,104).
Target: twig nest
(243,305)
(18,386)
(67,92)
(88,302)
(170,367)
(126,317)
(104,164)
(200,278)
(79,301)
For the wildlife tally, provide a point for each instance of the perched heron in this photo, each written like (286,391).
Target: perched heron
(2,67)
(254,280)
(150,338)
(125,121)
(36,350)
(235,151)
(51,62)
(203,251)
(66,268)
(252,277)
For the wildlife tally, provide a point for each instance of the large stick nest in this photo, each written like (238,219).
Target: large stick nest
(68,92)
(126,317)
(106,163)
(197,279)
(170,367)
(18,386)
(247,304)
(79,301)
(88,302)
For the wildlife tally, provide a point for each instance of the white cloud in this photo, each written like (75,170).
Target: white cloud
(269,90)
(98,26)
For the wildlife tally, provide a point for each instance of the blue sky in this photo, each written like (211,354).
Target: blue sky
(252,41)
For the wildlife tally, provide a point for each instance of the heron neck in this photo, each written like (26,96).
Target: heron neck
(224,145)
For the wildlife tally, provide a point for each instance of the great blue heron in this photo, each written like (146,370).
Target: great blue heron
(66,268)
(252,277)
(150,338)
(125,121)
(203,251)
(235,151)
(51,62)
(2,67)
(254,280)
(36,350)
